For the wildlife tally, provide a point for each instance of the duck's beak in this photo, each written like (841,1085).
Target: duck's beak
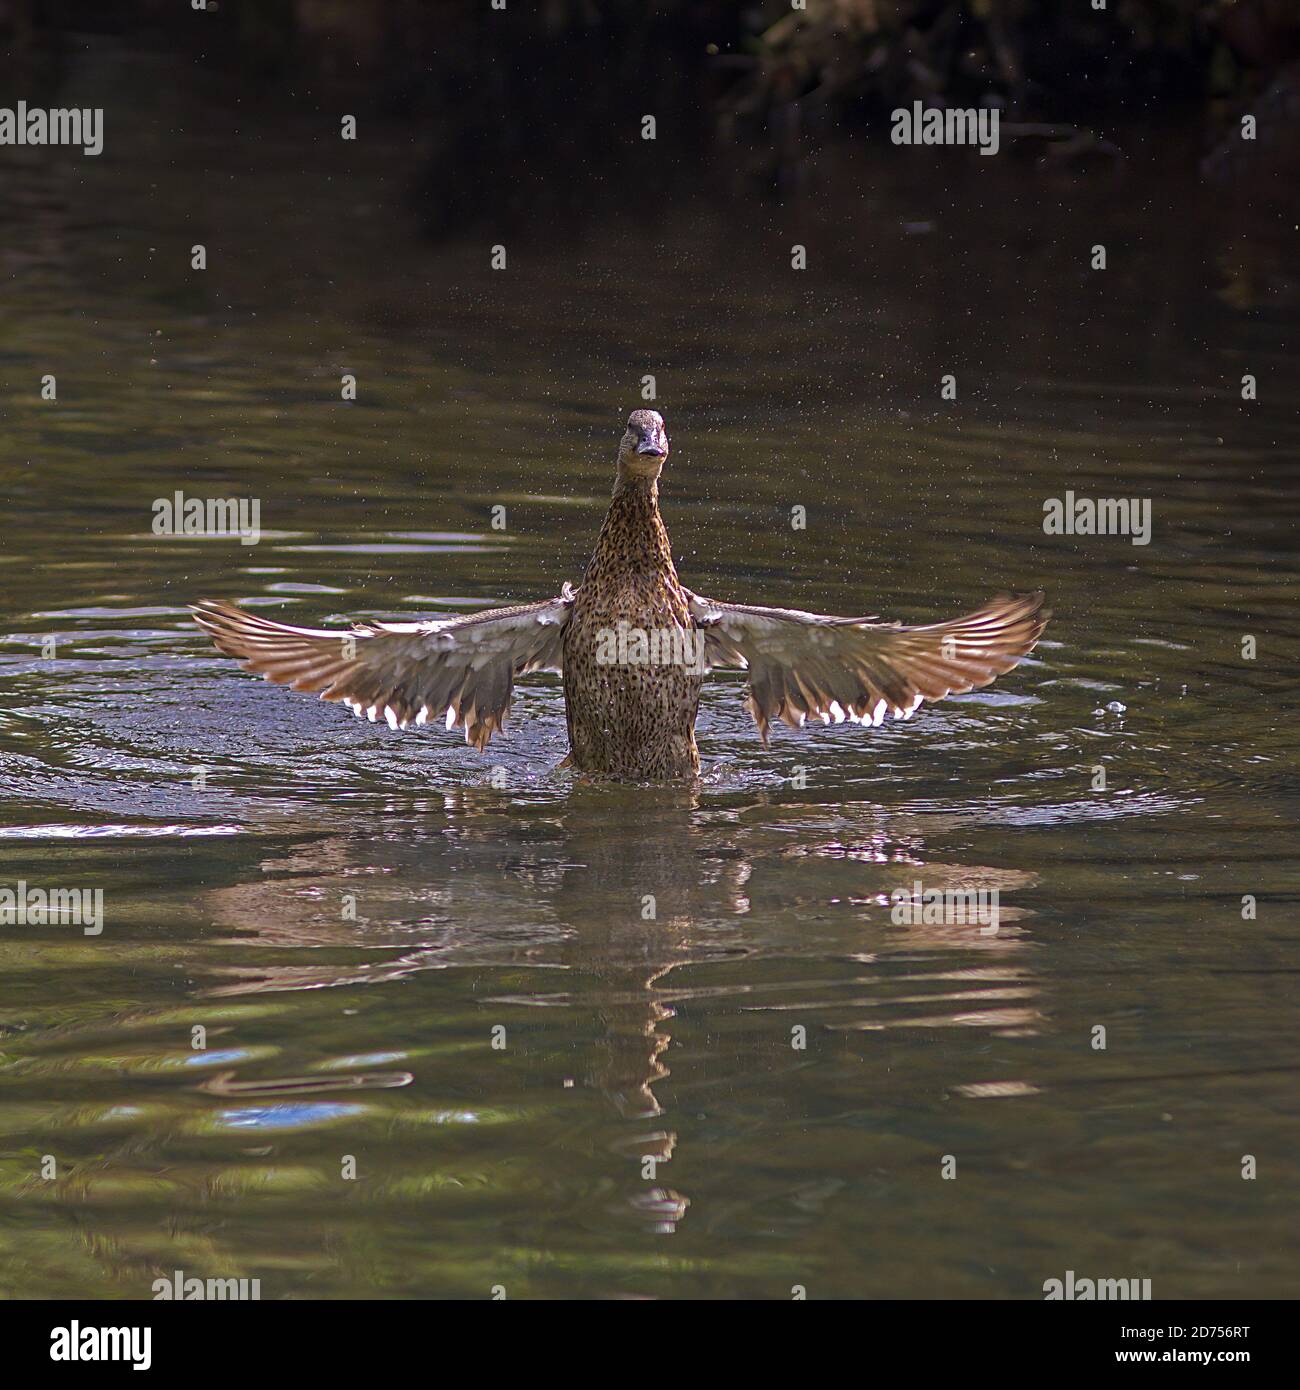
(650,446)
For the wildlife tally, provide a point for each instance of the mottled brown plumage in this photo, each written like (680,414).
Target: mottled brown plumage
(633,647)
(628,719)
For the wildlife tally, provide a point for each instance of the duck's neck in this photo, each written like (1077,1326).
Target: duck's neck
(633,538)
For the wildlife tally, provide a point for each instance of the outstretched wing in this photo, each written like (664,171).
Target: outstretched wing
(803,664)
(463,668)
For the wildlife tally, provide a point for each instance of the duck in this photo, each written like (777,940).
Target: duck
(633,646)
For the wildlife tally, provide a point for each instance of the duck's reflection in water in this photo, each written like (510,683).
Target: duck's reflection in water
(612,890)
(632,899)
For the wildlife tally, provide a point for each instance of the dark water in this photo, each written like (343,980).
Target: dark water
(354,914)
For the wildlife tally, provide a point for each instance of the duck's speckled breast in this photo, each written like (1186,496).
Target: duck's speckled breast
(633,659)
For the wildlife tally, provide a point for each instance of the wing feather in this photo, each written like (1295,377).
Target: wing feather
(809,664)
(405,673)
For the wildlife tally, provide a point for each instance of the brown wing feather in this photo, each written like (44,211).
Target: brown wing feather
(463,669)
(803,664)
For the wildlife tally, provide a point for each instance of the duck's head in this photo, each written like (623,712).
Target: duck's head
(644,447)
